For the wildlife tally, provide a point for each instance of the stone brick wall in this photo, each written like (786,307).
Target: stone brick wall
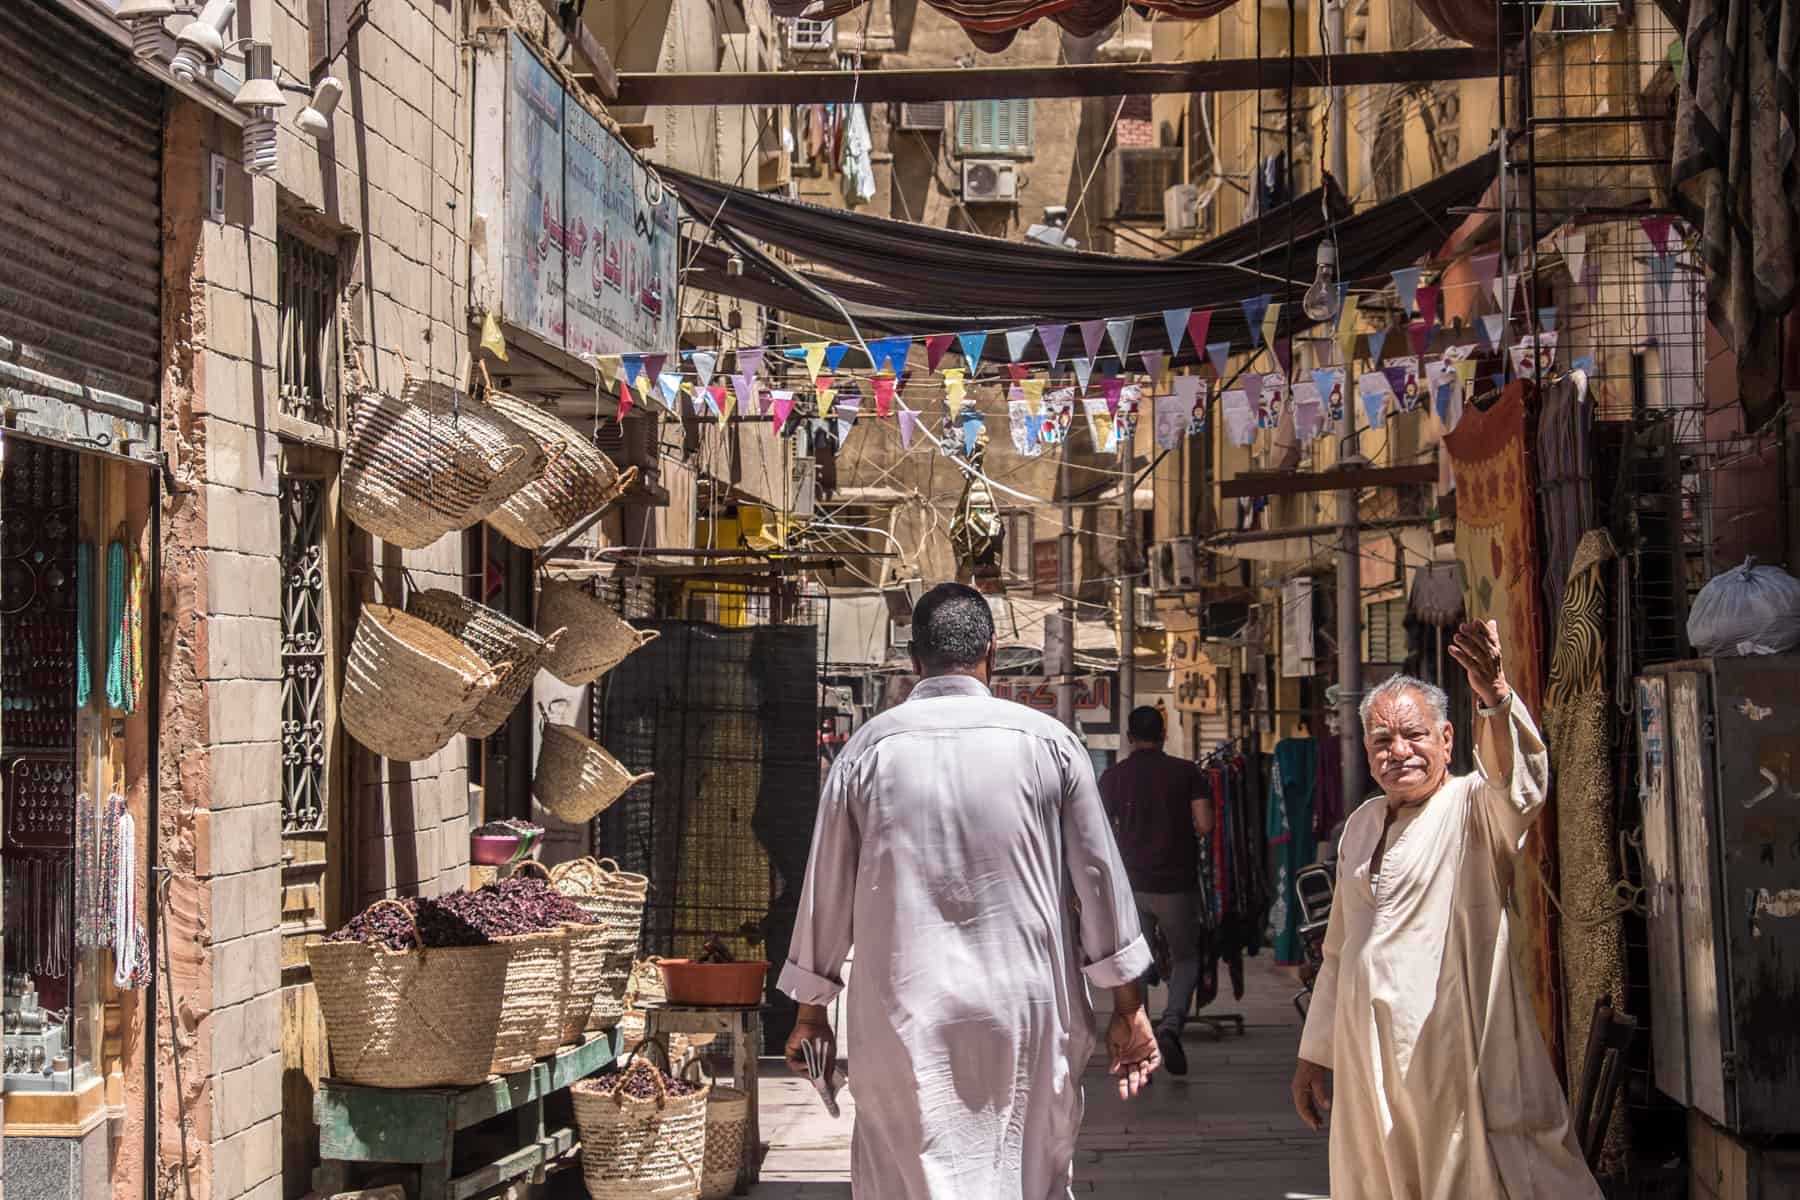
(390,184)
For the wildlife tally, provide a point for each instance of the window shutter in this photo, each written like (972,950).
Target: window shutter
(329,25)
(965,127)
(1024,131)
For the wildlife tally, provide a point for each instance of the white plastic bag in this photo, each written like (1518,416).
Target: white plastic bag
(1746,610)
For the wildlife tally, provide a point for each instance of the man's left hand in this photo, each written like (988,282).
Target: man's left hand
(1131,1050)
(1477,647)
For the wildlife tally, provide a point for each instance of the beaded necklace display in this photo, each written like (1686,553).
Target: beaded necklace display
(125,629)
(130,962)
(84,621)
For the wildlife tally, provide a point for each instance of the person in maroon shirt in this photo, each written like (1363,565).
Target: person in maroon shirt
(1159,808)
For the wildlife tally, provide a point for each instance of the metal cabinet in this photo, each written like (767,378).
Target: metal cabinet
(1719,756)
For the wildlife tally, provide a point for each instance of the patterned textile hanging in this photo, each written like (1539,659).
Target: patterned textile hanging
(124,627)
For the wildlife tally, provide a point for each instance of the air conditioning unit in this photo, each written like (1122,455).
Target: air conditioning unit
(922,117)
(1173,567)
(1137,178)
(1181,210)
(811,35)
(989,181)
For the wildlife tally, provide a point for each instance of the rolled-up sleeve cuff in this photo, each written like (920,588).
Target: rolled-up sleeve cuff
(1316,1049)
(807,988)
(1127,966)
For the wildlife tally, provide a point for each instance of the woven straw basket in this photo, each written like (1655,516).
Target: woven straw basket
(631,1149)
(430,462)
(574,481)
(410,1018)
(614,899)
(409,687)
(576,779)
(595,638)
(727,1120)
(534,1000)
(497,638)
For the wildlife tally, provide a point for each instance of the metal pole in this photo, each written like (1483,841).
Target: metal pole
(1127,596)
(1349,557)
(1065,587)
(1337,158)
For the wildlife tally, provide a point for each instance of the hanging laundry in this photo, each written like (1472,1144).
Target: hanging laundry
(855,159)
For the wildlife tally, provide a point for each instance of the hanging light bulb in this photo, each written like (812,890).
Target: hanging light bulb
(260,100)
(1321,302)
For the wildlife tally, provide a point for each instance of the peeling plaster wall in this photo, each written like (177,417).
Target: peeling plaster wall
(389,184)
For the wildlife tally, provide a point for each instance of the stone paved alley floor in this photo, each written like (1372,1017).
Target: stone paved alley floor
(1226,1132)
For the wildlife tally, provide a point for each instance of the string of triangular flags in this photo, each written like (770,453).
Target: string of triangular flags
(1044,394)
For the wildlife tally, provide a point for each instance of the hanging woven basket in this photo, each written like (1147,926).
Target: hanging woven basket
(575,481)
(430,462)
(595,638)
(576,779)
(409,687)
(615,900)
(497,638)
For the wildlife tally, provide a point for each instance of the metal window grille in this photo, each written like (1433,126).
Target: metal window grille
(308,290)
(1387,631)
(999,127)
(303,648)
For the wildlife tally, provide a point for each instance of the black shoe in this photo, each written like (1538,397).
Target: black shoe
(1173,1056)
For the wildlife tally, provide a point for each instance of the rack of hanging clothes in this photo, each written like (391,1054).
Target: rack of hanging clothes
(1234,880)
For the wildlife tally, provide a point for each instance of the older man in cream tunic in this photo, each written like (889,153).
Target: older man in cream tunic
(1421,1042)
(954,836)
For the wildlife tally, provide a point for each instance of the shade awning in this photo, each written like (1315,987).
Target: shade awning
(901,277)
(992,24)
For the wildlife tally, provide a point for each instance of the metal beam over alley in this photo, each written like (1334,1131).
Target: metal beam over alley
(1049,82)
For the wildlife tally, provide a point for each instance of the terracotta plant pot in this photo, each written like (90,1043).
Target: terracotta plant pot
(713,984)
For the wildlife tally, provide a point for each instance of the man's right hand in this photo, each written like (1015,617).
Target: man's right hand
(813,1024)
(1312,1093)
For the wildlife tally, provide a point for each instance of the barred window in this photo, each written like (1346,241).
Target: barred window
(308,280)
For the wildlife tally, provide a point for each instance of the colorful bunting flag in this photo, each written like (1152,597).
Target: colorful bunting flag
(1270,323)
(1330,384)
(1034,394)
(1492,327)
(643,388)
(908,421)
(1348,321)
(1419,334)
(1190,398)
(1377,339)
(625,403)
(1197,325)
(1084,370)
(1119,332)
(782,407)
(935,347)
(745,388)
(972,426)
(1091,333)
(1547,317)
(1284,354)
(722,401)
(953,387)
(1052,337)
(633,366)
(815,359)
(1486,266)
(1574,250)
(1240,417)
(704,361)
(1428,296)
(1153,367)
(884,394)
(749,361)
(1406,282)
(1253,387)
(1403,373)
(972,344)
(608,366)
(1255,308)
(1175,321)
(1218,353)
(1657,230)
(670,384)
(1016,341)
(1376,392)
(1018,371)
(834,356)
(1662,272)
(1111,388)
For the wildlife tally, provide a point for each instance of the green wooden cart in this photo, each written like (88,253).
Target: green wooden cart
(418,1126)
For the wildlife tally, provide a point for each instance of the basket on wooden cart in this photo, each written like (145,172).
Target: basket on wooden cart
(531,1021)
(633,1147)
(595,638)
(409,687)
(727,1123)
(620,950)
(497,638)
(424,1017)
(575,481)
(429,462)
(576,779)
(614,899)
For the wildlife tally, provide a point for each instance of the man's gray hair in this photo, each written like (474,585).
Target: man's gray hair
(1435,698)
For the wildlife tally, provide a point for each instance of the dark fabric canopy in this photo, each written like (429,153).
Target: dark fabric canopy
(992,24)
(906,278)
